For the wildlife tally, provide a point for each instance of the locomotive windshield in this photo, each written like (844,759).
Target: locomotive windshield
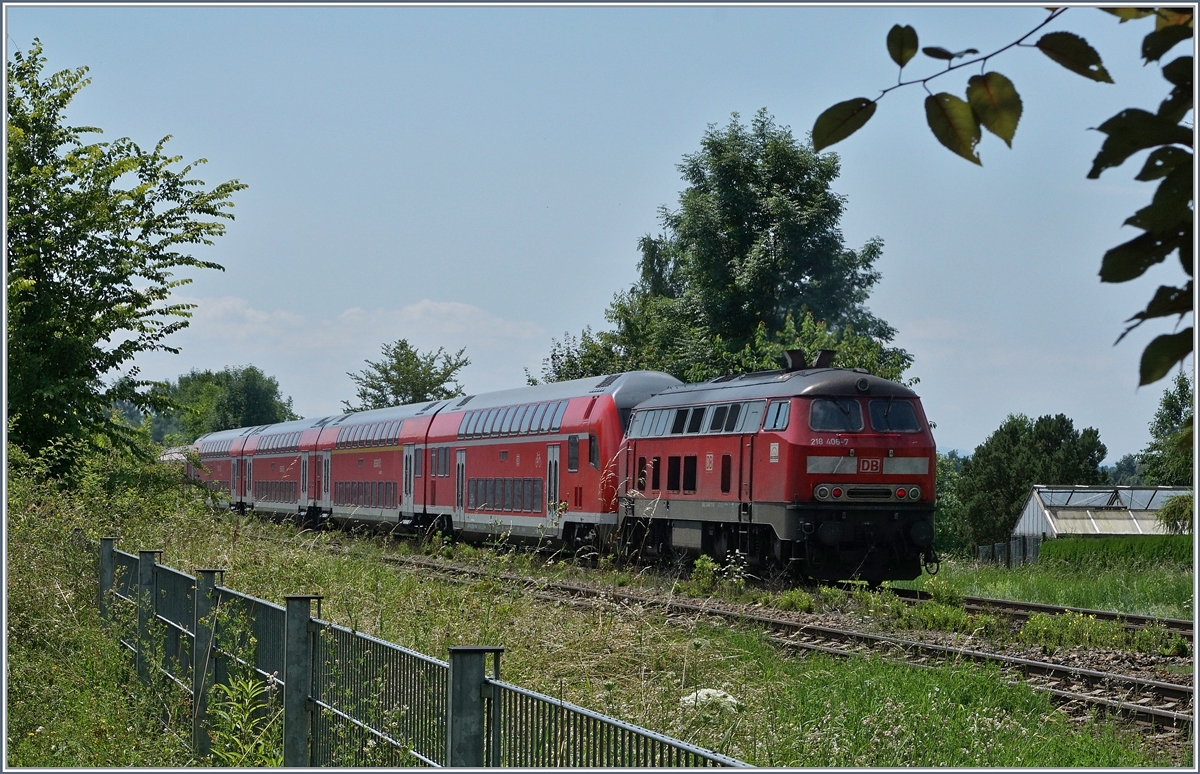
(836,415)
(894,416)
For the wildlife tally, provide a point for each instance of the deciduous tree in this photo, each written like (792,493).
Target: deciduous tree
(751,263)
(406,375)
(999,475)
(1168,460)
(96,232)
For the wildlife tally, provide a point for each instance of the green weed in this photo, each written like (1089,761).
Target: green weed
(246,726)
(795,599)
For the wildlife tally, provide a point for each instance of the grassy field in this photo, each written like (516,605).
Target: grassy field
(1160,588)
(68,685)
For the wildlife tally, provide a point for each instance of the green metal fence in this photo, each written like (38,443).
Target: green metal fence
(346,698)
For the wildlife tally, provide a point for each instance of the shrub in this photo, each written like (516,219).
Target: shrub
(1176,516)
(1141,550)
(795,599)
(944,592)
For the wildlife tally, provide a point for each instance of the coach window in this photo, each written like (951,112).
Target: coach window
(522,418)
(509,416)
(893,416)
(377,434)
(531,409)
(594,452)
(718,419)
(572,453)
(508,494)
(518,495)
(489,494)
(473,424)
(836,415)
(548,417)
(777,416)
(673,469)
(558,416)
(655,467)
(697,419)
(751,416)
(689,474)
(462,425)
(726,472)
(680,422)
(528,495)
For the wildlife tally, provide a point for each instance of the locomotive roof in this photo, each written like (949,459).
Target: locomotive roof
(627,389)
(780,384)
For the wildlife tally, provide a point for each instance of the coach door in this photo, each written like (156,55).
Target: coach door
(323,492)
(406,492)
(305,482)
(552,498)
(460,482)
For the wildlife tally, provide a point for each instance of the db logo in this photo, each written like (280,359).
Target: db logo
(869,465)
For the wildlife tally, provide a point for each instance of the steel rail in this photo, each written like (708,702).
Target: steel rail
(1022,610)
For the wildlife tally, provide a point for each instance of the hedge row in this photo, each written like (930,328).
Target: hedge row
(1116,551)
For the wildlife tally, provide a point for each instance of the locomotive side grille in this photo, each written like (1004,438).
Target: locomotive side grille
(869,493)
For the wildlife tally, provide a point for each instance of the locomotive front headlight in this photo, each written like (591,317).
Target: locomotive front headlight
(822,492)
(900,493)
(914,493)
(837,491)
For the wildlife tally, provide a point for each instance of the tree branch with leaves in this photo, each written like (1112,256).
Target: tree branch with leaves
(993,103)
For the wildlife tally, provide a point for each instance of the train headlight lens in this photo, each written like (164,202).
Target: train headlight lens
(822,492)
(914,493)
(901,493)
(837,491)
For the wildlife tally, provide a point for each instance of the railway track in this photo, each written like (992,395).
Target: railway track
(1158,704)
(1022,610)
(1148,702)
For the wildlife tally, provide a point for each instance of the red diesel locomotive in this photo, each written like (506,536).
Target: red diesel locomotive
(827,471)
(824,470)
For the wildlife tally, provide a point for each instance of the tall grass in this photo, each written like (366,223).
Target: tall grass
(622,660)
(1139,588)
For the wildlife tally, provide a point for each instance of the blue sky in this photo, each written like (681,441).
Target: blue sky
(480,177)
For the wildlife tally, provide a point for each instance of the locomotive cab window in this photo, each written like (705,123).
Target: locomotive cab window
(894,416)
(836,415)
(777,416)
(751,416)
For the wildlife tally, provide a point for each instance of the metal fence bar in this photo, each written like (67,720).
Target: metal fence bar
(145,610)
(297,718)
(107,569)
(203,656)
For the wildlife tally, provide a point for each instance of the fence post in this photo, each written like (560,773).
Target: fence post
(203,654)
(297,680)
(107,545)
(465,742)
(145,608)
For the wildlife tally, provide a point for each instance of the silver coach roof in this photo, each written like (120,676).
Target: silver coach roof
(627,389)
(778,384)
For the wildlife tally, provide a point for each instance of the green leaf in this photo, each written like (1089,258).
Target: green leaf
(1179,71)
(1132,259)
(954,124)
(1075,54)
(937,52)
(1167,301)
(840,121)
(1162,160)
(1128,14)
(996,103)
(1163,353)
(1161,41)
(1133,130)
(1169,208)
(902,44)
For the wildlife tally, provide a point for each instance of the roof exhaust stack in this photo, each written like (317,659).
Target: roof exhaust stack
(795,360)
(824,358)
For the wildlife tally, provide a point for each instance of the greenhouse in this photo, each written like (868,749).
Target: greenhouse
(1055,511)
